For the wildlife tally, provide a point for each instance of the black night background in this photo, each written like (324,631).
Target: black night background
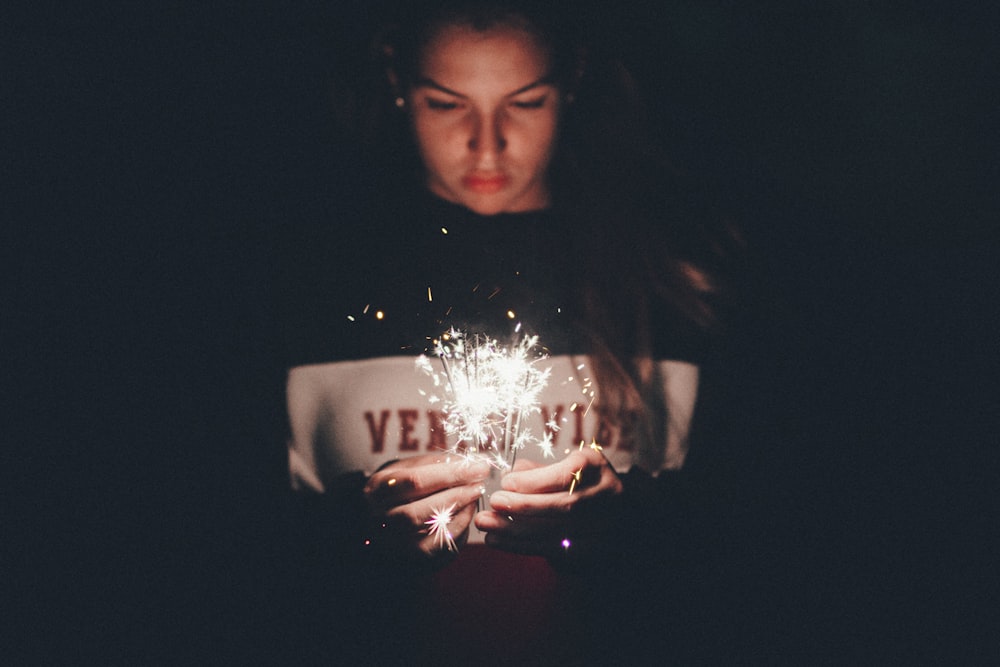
(144,150)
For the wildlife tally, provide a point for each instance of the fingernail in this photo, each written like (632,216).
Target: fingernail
(499,500)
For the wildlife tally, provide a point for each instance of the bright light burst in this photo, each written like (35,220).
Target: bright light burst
(488,391)
(440,518)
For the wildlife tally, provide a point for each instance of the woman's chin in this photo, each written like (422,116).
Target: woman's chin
(492,203)
(486,207)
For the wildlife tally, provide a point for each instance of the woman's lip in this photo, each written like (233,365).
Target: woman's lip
(485,184)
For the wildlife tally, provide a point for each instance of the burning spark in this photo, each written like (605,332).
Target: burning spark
(546,446)
(499,461)
(440,518)
(577,475)
(576,480)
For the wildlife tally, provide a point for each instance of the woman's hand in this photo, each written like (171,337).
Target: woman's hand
(546,510)
(405,495)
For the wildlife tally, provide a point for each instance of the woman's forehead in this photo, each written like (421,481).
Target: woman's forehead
(462,55)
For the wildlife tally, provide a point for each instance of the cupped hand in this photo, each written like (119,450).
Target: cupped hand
(544,510)
(406,495)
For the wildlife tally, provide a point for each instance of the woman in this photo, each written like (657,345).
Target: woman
(536,206)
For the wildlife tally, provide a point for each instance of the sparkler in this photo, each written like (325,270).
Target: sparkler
(488,391)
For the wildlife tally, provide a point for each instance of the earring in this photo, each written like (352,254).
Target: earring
(400,103)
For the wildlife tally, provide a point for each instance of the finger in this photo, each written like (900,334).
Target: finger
(418,460)
(555,476)
(414,516)
(525,464)
(403,484)
(491,520)
(558,503)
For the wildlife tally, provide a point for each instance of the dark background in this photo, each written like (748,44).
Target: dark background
(145,150)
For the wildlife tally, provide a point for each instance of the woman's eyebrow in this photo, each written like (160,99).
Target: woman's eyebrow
(544,81)
(427,82)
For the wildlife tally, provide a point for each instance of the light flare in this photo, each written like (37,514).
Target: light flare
(440,518)
(489,390)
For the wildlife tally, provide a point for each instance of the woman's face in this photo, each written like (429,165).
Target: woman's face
(485,114)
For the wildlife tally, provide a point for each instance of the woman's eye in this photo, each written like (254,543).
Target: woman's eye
(536,103)
(441,105)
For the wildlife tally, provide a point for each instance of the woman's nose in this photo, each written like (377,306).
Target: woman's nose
(488,138)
